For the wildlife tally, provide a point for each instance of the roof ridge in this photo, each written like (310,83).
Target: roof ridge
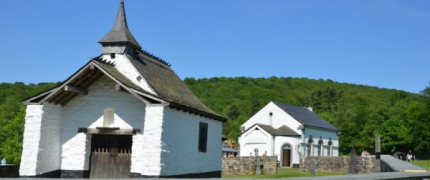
(155,57)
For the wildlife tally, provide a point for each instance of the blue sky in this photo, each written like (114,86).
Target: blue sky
(383,43)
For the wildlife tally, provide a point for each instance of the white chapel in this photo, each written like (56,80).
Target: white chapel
(125,113)
(288,132)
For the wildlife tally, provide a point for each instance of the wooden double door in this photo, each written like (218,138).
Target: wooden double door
(110,156)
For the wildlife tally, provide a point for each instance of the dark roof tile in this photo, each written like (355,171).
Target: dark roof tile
(120,32)
(305,116)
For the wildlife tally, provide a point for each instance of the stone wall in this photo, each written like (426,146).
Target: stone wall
(245,165)
(9,170)
(338,164)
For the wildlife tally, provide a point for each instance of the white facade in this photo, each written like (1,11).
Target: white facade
(168,137)
(125,111)
(262,132)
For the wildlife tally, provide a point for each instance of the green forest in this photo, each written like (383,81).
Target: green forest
(401,118)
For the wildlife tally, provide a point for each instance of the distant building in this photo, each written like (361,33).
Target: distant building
(288,132)
(123,114)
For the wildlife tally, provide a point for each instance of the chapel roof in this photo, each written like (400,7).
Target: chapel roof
(178,96)
(305,116)
(165,82)
(120,32)
(281,131)
(157,72)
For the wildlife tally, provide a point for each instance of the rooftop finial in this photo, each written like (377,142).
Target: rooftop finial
(120,34)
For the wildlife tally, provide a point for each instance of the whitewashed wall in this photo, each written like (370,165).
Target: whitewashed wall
(53,130)
(147,158)
(33,118)
(180,153)
(259,139)
(124,65)
(41,141)
(87,111)
(278,118)
(49,145)
(325,135)
(280,141)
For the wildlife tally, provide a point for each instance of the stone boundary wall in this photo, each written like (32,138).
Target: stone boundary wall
(245,165)
(9,171)
(339,164)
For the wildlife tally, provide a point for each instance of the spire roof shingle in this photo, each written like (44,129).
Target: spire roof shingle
(120,34)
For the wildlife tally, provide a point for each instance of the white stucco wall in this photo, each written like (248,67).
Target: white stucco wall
(147,158)
(280,141)
(167,141)
(259,139)
(180,144)
(278,118)
(33,118)
(49,145)
(124,65)
(325,136)
(87,111)
(41,141)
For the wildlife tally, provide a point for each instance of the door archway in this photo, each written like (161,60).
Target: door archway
(286,155)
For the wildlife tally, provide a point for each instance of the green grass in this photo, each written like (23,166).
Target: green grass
(422,163)
(285,173)
(294,172)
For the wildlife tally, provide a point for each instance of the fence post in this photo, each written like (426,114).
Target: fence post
(377,153)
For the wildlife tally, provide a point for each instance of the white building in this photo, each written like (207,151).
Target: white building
(123,114)
(288,132)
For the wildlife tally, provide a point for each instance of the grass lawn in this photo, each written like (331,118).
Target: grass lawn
(285,173)
(422,163)
(294,172)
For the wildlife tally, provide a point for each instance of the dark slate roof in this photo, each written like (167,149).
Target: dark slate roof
(120,32)
(305,116)
(165,82)
(281,131)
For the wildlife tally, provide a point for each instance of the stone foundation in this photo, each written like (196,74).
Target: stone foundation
(245,165)
(9,170)
(339,164)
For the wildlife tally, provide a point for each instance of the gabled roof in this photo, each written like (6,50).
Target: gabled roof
(281,131)
(120,32)
(169,88)
(84,77)
(165,82)
(305,116)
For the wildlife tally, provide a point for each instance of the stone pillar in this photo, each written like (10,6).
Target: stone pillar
(108,117)
(352,160)
(378,153)
(152,145)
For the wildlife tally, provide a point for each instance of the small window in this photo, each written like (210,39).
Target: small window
(203,137)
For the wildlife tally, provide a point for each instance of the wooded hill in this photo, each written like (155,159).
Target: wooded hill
(401,118)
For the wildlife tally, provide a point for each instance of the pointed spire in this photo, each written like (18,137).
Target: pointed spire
(120,34)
